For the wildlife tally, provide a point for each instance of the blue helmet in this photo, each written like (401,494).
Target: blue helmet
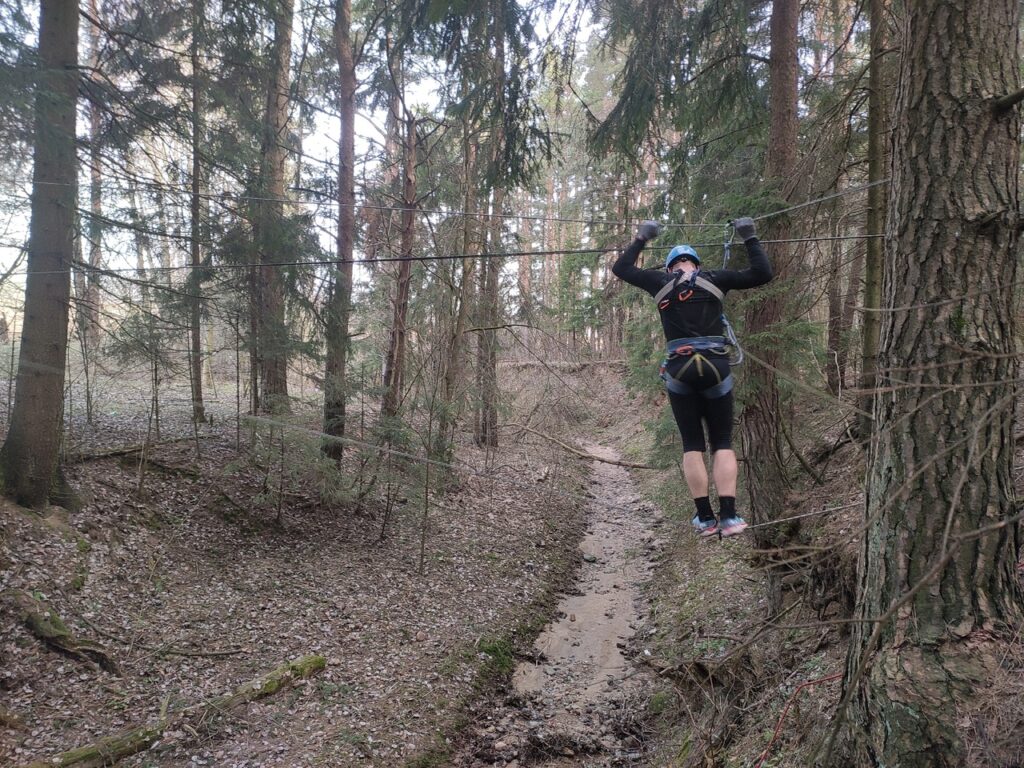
(681,252)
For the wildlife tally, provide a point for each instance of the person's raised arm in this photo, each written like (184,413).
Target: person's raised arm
(760,270)
(625,267)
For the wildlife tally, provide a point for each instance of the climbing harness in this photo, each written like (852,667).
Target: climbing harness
(692,349)
(681,289)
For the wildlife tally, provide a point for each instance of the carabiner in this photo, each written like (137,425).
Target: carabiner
(730,230)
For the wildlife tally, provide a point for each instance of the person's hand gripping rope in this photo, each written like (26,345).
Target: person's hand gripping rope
(648,230)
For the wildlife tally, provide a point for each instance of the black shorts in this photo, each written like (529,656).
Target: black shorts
(692,411)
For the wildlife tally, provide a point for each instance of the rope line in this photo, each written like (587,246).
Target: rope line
(490,475)
(826,198)
(578,497)
(816,513)
(333,203)
(387,259)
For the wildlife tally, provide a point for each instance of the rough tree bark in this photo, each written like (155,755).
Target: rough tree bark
(339,306)
(941,455)
(30,454)
(878,157)
(490,269)
(272,331)
(760,429)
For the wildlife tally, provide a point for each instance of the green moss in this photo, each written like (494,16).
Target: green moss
(685,748)
(353,738)
(439,753)
(957,321)
(333,691)
(659,703)
(83,545)
(501,655)
(307,665)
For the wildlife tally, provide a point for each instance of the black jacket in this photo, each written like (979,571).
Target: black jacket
(701,313)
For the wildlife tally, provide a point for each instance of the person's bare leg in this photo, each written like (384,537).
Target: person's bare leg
(724,469)
(696,473)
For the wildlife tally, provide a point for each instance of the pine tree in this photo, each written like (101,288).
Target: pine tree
(30,455)
(937,571)
(339,309)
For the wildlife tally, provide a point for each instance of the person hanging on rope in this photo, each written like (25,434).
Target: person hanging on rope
(696,370)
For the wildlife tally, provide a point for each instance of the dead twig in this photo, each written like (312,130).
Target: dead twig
(785,710)
(583,454)
(162,650)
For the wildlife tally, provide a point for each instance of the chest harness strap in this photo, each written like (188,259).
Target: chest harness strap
(692,348)
(663,298)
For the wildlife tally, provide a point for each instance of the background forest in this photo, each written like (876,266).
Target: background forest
(308,321)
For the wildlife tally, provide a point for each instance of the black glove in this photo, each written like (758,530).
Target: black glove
(648,230)
(745,228)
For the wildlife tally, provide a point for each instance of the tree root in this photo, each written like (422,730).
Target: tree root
(110,749)
(44,622)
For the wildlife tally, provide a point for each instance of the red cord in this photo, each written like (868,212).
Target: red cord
(778,728)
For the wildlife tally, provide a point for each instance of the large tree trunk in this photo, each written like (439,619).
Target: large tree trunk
(878,167)
(30,454)
(273,333)
(938,556)
(339,307)
(490,298)
(195,306)
(765,469)
(394,364)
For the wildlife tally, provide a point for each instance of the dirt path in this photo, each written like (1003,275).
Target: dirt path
(576,703)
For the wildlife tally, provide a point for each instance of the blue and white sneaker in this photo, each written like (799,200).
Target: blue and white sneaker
(732,526)
(705,528)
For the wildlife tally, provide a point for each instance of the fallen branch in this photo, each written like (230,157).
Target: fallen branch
(162,650)
(778,728)
(124,450)
(109,750)
(171,469)
(43,622)
(10,720)
(584,454)
(800,457)
(570,366)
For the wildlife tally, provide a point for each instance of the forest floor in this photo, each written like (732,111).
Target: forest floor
(565,616)
(193,586)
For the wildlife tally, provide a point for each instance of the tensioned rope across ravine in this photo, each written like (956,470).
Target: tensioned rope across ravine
(333,203)
(388,259)
(419,458)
